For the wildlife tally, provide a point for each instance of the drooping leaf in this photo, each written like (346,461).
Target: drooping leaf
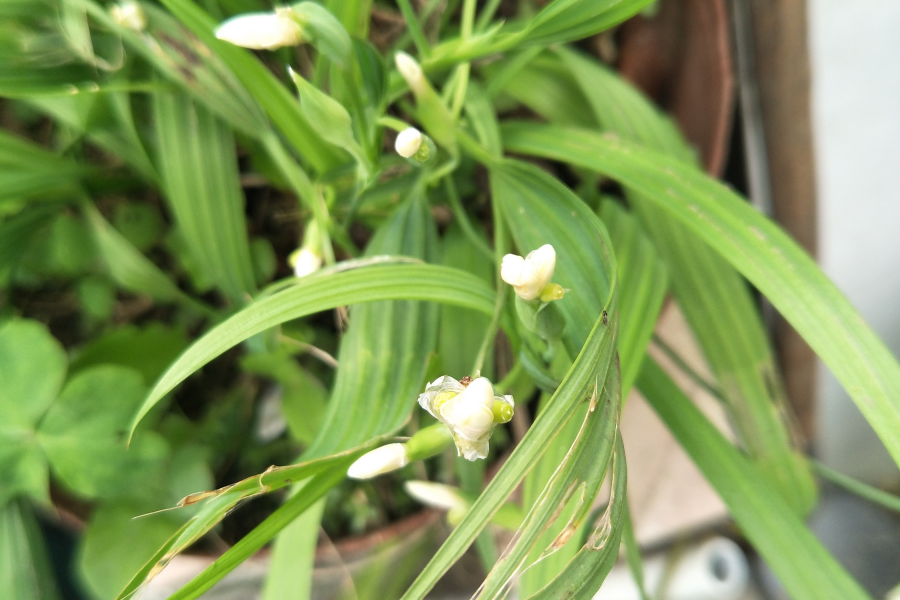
(802,565)
(756,247)
(324,291)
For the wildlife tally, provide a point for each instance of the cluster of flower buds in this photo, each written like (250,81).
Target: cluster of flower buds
(469,409)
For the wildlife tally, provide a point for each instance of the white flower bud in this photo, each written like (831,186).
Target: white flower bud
(379,461)
(261,31)
(408,142)
(411,72)
(305,262)
(529,275)
(129,14)
(435,495)
(467,411)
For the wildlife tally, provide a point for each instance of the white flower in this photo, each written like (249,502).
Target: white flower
(305,262)
(529,275)
(129,14)
(411,72)
(435,495)
(379,461)
(468,411)
(408,142)
(261,31)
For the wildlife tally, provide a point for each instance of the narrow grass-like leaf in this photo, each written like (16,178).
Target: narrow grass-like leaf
(756,247)
(218,503)
(319,292)
(270,93)
(129,268)
(513,182)
(199,170)
(585,573)
(805,569)
(642,288)
(715,299)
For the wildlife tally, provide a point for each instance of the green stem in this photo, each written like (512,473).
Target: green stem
(475,150)
(487,13)
(872,494)
(304,187)
(686,369)
(414,27)
(394,123)
(500,244)
(459,212)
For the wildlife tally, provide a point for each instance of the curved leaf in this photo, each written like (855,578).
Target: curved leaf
(319,292)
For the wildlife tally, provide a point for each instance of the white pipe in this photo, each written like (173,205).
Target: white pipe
(714,570)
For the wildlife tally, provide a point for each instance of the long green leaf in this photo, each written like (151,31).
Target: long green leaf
(270,93)
(25,571)
(756,247)
(319,292)
(129,268)
(218,503)
(199,171)
(803,566)
(513,181)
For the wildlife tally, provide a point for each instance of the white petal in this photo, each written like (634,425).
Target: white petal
(408,142)
(260,31)
(381,460)
(435,495)
(512,269)
(543,261)
(306,262)
(411,71)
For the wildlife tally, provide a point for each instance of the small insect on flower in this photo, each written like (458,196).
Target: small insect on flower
(530,276)
(262,31)
(469,412)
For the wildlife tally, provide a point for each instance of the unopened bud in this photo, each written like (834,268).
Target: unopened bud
(411,71)
(129,14)
(305,262)
(379,461)
(408,142)
(261,31)
(435,495)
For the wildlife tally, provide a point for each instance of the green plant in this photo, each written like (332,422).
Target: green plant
(137,203)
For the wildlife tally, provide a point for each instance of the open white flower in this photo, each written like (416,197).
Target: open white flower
(411,71)
(379,461)
(129,14)
(470,412)
(261,31)
(305,262)
(530,275)
(408,142)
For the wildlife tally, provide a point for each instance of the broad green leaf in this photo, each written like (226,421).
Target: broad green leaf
(116,544)
(148,349)
(83,434)
(802,565)
(323,31)
(131,269)
(324,291)
(199,170)
(32,368)
(25,571)
(353,14)
(549,202)
(756,247)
